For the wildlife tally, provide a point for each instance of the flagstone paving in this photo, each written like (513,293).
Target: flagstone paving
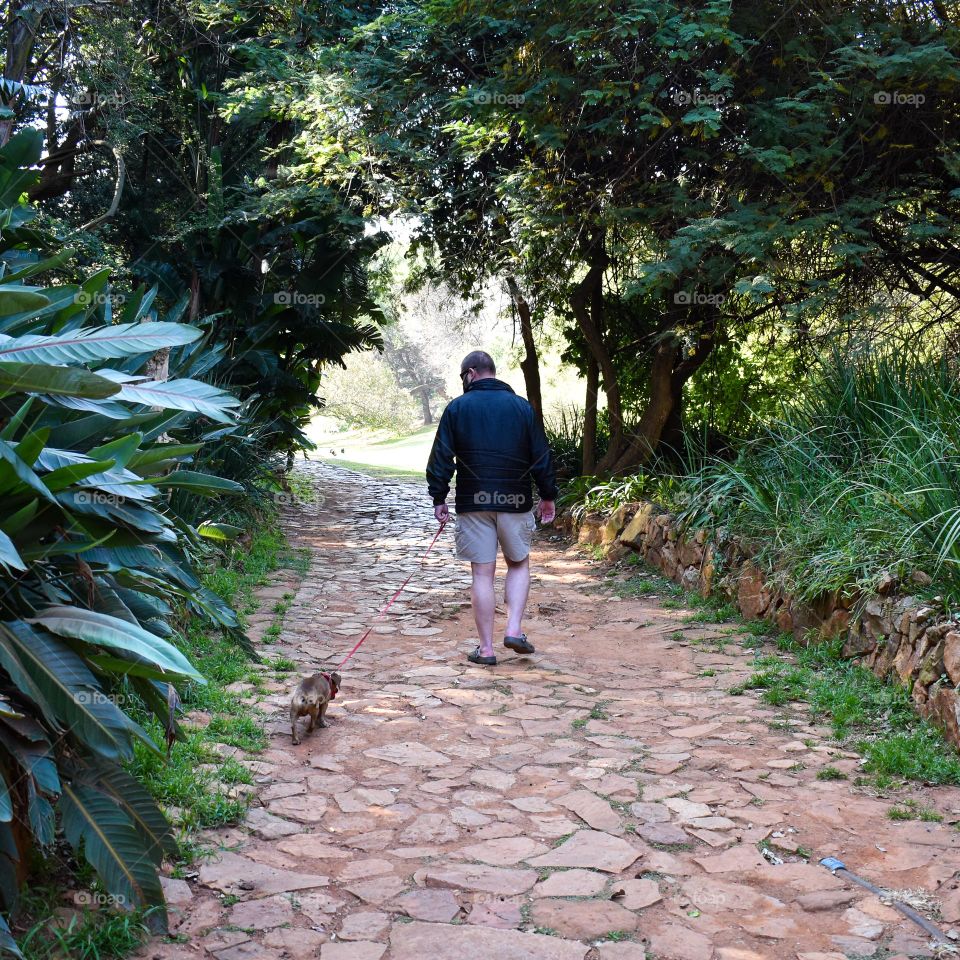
(604,799)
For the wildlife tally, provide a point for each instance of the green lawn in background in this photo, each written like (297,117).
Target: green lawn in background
(374,453)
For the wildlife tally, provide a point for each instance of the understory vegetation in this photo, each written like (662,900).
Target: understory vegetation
(856,479)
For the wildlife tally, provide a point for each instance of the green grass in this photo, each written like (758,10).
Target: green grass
(91,935)
(830,773)
(875,718)
(378,470)
(196,778)
(911,810)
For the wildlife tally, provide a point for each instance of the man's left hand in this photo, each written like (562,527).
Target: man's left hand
(442,512)
(546,511)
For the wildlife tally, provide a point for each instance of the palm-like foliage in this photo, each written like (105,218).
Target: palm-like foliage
(93,559)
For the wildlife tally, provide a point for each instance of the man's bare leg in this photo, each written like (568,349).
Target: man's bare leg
(484,601)
(515,594)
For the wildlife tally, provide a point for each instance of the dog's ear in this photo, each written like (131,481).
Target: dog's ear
(335,679)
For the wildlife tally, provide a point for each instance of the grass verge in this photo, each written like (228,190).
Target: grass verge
(875,718)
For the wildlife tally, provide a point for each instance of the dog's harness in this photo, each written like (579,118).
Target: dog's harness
(331,684)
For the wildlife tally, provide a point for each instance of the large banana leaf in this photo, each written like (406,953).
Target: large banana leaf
(140,807)
(46,378)
(106,631)
(74,694)
(193,395)
(96,343)
(95,824)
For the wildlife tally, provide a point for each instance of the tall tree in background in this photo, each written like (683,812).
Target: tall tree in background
(680,177)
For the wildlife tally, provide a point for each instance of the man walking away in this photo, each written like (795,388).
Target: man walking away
(493,440)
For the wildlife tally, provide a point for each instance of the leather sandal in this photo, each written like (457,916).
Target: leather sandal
(521,644)
(477,657)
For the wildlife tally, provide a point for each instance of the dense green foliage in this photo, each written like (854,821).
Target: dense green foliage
(859,477)
(96,560)
(701,193)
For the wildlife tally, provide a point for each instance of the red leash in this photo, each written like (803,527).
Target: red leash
(391,601)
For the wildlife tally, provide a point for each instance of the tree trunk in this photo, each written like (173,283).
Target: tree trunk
(668,374)
(424,394)
(586,302)
(590,418)
(530,364)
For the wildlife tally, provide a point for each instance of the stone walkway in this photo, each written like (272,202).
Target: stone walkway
(605,799)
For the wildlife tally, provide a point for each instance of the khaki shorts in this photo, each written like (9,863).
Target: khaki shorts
(479,532)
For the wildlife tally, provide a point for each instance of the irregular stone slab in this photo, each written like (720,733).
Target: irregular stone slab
(571,883)
(662,834)
(504,852)
(504,881)
(685,809)
(230,870)
(430,828)
(636,894)
(502,914)
(592,810)
(311,846)
(360,799)
(364,925)
(735,859)
(438,906)
(377,891)
(262,914)
(296,943)
(583,919)
(269,827)
(673,942)
(650,812)
(408,754)
(415,941)
(360,950)
(593,850)
(306,808)
(622,951)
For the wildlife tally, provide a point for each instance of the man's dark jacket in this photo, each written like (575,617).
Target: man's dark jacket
(496,444)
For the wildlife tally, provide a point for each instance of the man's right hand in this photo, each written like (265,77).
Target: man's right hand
(547,511)
(442,512)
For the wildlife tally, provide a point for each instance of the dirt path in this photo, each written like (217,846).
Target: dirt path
(604,799)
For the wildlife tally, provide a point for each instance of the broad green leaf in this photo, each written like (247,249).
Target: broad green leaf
(18,299)
(48,379)
(204,484)
(74,694)
(192,395)
(9,556)
(219,531)
(94,824)
(96,343)
(106,631)
(142,809)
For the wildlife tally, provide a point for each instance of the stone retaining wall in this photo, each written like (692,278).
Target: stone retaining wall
(897,636)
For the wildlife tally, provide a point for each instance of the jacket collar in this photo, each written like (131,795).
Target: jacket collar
(489,383)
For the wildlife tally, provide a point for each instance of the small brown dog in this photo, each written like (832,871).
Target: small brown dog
(312,696)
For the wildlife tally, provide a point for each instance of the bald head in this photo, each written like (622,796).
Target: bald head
(480,362)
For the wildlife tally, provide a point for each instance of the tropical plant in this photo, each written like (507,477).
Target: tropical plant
(94,560)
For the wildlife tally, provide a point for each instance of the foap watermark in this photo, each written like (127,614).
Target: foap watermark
(93,698)
(294,298)
(696,98)
(90,99)
(88,298)
(497,498)
(92,898)
(692,298)
(309,499)
(100,498)
(897,98)
(499,99)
